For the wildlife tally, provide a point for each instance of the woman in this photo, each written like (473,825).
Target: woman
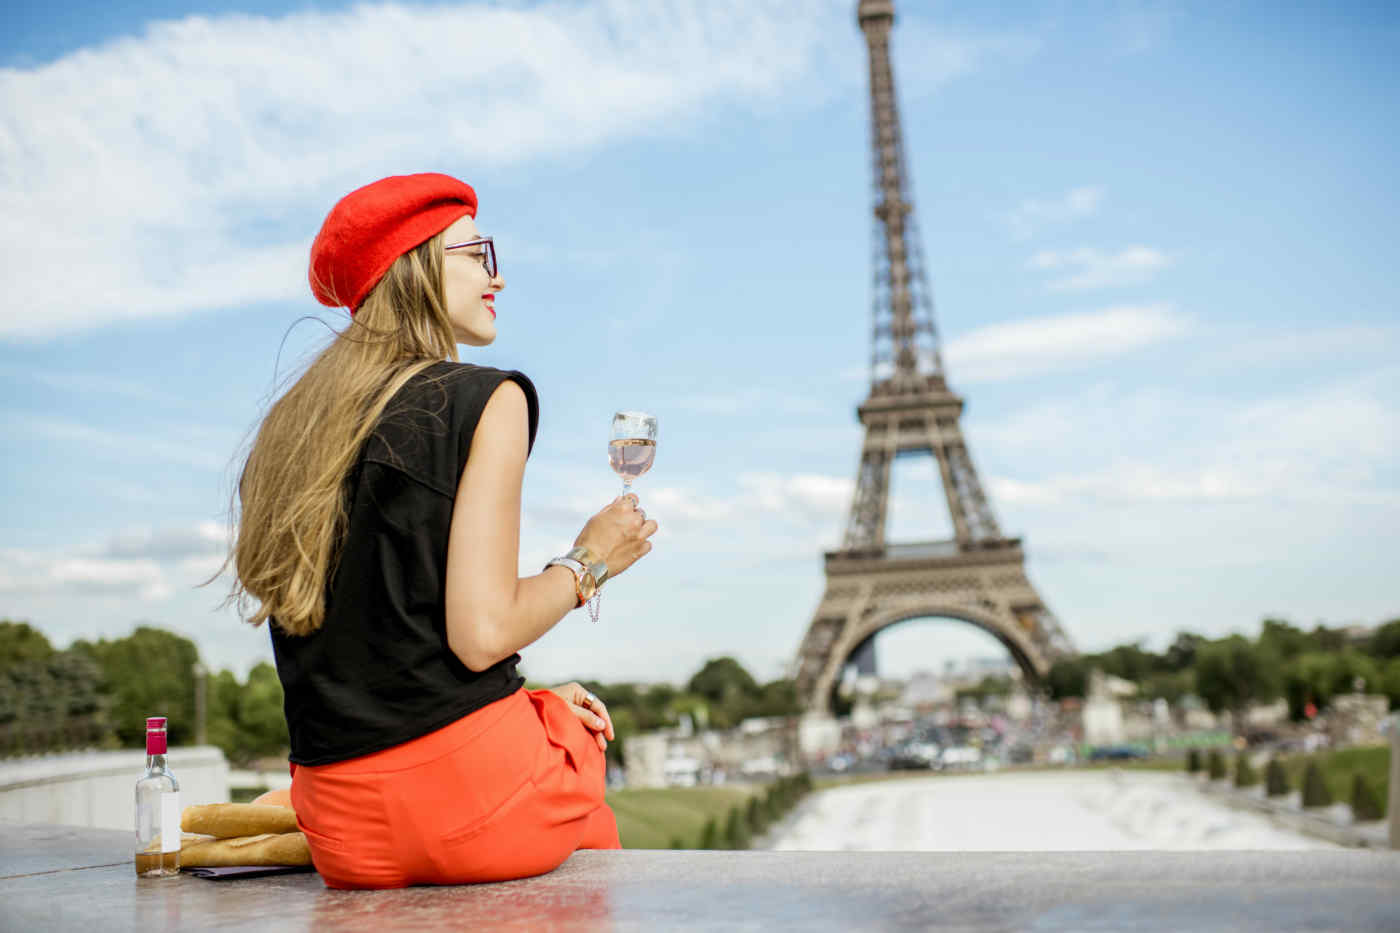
(379,534)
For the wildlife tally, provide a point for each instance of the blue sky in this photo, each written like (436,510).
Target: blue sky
(1160,238)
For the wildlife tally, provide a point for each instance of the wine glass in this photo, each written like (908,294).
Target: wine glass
(632,446)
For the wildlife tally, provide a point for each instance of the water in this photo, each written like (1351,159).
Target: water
(1038,811)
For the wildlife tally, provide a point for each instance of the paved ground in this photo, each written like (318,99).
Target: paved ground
(63,878)
(1029,811)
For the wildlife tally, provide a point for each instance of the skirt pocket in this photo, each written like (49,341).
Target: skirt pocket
(475,827)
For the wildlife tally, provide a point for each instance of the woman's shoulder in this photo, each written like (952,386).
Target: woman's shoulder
(450,374)
(467,387)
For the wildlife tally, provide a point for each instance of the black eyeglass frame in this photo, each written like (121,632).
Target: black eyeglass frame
(488,252)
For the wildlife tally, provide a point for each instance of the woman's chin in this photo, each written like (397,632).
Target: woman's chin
(477,338)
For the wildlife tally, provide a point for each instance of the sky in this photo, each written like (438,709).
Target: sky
(1160,236)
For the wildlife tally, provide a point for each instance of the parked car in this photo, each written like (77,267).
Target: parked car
(1116,752)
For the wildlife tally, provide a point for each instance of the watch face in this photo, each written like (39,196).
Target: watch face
(586,586)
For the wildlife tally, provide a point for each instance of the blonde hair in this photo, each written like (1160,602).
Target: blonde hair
(292,488)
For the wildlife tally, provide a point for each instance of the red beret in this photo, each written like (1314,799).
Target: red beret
(372,226)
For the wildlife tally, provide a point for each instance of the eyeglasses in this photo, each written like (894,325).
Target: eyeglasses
(487,254)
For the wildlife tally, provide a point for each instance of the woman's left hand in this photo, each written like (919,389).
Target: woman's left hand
(590,710)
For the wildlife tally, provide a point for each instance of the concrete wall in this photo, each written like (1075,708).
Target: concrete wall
(97,789)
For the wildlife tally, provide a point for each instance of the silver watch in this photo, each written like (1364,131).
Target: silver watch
(599,568)
(585,584)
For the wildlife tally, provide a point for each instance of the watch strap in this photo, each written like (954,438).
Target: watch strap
(578,569)
(595,564)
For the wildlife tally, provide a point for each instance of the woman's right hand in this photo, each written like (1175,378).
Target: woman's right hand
(618,534)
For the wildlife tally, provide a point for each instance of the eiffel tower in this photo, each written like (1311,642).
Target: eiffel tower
(979,576)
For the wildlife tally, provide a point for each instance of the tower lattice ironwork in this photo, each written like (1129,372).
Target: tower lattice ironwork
(979,575)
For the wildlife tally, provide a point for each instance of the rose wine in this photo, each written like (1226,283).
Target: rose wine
(157,810)
(631,456)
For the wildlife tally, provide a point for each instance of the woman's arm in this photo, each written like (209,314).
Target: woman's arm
(491,612)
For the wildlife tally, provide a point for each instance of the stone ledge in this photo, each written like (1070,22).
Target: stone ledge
(81,889)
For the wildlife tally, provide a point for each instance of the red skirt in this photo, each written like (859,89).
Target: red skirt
(508,791)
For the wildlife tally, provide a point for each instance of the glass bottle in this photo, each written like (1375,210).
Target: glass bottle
(157,810)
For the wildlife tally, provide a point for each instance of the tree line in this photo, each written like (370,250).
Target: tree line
(718,696)
(1307,668)
(99,693)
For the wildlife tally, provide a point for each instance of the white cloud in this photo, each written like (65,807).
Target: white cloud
(195,451)
(815,497)
(1233,349)
(171,542)
(188,167)
(1020,348)
(28,572)
(144,562)
(1033,214)
(1332,445)
(147,172)
(1092,268)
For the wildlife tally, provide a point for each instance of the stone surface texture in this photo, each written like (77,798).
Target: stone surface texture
(59,878)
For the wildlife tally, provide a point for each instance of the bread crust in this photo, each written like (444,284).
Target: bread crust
(262,849)
(231,820)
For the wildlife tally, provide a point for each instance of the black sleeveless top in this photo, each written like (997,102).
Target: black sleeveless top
(379,671)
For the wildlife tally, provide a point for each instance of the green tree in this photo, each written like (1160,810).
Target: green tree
(1193,761)
(78,680)
(1327,639)
(989,686)
(1317,676)
(1215,765)
(727,688)
(1169,685)
(1232,673)
(21,642)
(1390,682)
(1365,805)
(736,830)
(261,720)
(50,702)
(772,803)
(1385,641)
(1284,640)
(149,673)
(654,708)
(1276,778)
(221,715)
(1181,653)
(1068,678)
(1315,792)
(777,698)
(1245,775)
(1131,662)
(709,836)
(720,678)
(757,816)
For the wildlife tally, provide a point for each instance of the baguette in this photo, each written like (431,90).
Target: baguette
(264,849)
(230,820)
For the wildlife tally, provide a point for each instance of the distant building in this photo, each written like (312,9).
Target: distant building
(1356,718)
(756,749)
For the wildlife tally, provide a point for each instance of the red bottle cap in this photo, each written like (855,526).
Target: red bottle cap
(155,735)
